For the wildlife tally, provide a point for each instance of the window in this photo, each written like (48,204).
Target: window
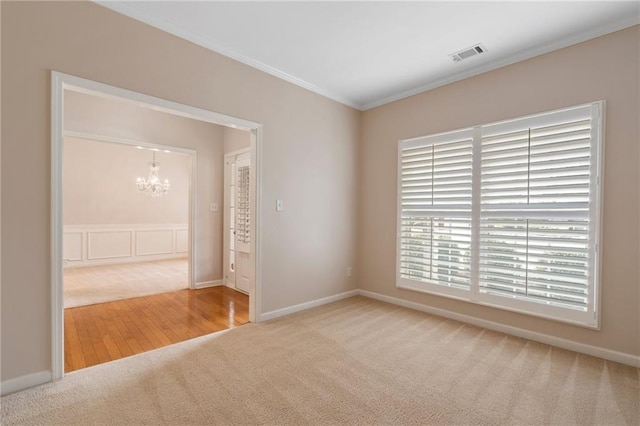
(506,214)
(243,198)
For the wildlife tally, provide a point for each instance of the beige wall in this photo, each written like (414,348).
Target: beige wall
(100,185)
(604,68)
(235,139)
(125,120)
(309,157)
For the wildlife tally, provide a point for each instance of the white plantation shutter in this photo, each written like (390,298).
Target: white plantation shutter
(508,211)
(535,197)
(435,210)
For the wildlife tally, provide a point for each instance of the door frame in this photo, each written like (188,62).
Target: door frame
(61,82)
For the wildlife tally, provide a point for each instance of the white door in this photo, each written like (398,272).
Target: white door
(237,221)
(242,222)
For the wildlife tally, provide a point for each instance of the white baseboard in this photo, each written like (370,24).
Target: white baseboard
(205,284)
(24,382)
(233,287)
(307,305)
(123,260)
(608,354)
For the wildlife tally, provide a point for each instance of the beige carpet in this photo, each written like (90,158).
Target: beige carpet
(106,283)
(357,361)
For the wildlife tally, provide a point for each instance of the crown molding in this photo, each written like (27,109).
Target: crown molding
(510,60)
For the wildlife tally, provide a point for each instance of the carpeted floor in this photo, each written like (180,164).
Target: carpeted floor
(106,283)
(357,361)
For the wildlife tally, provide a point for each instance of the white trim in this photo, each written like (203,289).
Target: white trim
(307,305)
(523,55)
(123,260)
(60,82)
(599,201)
(127,226)
(24,382)
(255,308)
(207,284)
(128,142)
(608,354)
(191,230)
(233,287)
(476,195)
(90,87)
(237,152)
(57,227)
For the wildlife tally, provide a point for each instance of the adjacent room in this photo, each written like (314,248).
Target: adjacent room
(131,180)
(136,241)
(344,213)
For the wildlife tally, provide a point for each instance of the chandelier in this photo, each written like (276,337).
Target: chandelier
(152,185)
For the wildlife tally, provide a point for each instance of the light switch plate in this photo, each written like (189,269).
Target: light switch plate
(279,205)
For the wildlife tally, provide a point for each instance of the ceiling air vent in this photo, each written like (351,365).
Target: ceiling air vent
(468,52)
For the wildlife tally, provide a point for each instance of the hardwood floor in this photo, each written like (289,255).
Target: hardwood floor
(108,331)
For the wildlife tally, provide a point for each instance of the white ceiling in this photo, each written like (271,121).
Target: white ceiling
(365,54)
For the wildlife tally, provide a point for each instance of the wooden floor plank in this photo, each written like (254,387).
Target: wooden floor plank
(113,330)
(104,332)
(71,340)
(84,337)
(95,337)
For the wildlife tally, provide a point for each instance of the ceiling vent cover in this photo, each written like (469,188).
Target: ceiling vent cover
(468,52)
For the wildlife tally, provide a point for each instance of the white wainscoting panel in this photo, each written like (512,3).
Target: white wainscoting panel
(182,241)
(154,242)
(107,244)
(73,245)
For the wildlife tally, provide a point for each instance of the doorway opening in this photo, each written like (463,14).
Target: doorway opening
(151,242)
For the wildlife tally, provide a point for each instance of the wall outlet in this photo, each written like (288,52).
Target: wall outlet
(213,207)
(348,271)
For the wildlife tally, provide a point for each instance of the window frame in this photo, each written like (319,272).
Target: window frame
(589,318)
